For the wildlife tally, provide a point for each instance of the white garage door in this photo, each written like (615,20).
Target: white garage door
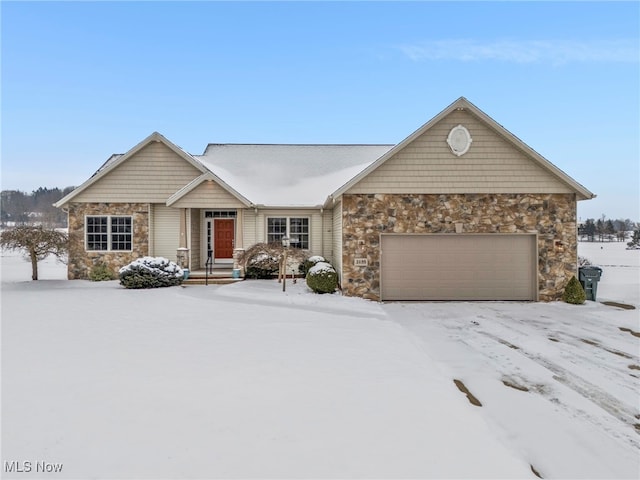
(458,267)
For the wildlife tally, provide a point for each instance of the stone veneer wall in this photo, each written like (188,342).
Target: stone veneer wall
(82,261)
(552,216)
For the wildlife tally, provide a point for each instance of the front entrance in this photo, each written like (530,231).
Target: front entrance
(219,239)
(218,236)
(223,243)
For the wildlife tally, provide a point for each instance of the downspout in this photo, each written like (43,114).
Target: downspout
(187,213)
(152,211)
(322,231)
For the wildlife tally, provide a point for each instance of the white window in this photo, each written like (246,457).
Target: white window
(109,233)
(296,228)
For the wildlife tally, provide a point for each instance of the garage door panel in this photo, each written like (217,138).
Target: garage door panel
(458,267)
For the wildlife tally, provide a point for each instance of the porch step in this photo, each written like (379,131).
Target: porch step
(219,276)
(212,281)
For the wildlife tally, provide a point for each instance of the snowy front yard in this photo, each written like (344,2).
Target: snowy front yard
(247,381)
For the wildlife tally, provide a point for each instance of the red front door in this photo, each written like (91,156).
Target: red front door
(223,229)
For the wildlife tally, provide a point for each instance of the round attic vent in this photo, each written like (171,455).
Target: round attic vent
(459,140)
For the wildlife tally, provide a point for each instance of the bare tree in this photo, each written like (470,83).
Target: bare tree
(36,243)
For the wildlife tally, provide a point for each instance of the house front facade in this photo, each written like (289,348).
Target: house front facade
(459,210)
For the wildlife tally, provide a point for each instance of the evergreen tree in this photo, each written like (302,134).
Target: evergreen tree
(635,239)
(589,229)
(574,293)
(609,229)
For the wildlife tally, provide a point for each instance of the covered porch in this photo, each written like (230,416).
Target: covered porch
(210,215)
(210,240)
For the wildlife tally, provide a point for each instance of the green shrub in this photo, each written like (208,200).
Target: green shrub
(151,272)
(322,278)
(574,293)
(306,265)
(101,273)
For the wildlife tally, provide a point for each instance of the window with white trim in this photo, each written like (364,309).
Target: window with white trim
(296,228)
(109,233)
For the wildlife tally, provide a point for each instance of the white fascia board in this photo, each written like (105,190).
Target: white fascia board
(288,207)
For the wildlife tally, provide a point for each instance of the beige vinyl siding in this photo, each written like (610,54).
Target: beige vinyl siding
(239,237)
(249,227)
(337,238)
(327,237)
(209,195)
(151,175)
(195,239)
(166,231)
(492,165)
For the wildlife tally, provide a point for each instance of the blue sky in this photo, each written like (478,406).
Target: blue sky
(83,80)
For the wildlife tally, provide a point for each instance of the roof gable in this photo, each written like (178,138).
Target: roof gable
(115,162)
(207,189)
(497,162)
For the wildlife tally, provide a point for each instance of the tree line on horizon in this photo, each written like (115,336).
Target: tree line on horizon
(35,208)
(604,229)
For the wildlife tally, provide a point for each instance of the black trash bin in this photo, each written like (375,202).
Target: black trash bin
(589,277)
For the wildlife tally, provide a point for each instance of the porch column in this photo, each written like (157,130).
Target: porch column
(183,228)
(238,248)
(183,255)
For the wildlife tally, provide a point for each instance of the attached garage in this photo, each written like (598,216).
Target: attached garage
(458,267)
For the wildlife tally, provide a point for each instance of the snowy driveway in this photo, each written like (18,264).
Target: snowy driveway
(560,383)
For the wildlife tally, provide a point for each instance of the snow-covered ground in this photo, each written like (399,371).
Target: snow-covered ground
(245,381)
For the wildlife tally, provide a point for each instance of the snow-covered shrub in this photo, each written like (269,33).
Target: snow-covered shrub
(151,272)
(310,262)
(322,278)
(101,273)
(262,260)
(574,293)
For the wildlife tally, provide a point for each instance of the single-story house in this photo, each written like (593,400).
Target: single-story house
(461,209)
